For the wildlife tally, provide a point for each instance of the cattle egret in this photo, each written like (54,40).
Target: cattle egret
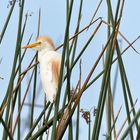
(50,62)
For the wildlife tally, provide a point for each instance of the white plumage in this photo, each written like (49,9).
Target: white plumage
(50,62)
(49,70)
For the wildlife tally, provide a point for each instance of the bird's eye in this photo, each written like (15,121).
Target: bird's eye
(39,42)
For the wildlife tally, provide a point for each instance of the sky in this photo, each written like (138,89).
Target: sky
(53,22)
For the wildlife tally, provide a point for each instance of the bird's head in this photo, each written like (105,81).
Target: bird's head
(42,43)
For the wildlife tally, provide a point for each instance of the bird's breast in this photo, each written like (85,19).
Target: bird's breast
(47,61)
(47,56)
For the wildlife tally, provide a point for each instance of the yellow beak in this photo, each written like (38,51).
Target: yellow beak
(31,45)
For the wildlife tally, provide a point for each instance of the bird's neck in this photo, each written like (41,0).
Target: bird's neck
(42,52)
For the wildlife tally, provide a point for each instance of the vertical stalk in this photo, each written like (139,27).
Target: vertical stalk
(109,86)
(7,21)
(35,76)
(70,130)
(19,97)
(124,90)
(89,126)
(77,122)
(77,30)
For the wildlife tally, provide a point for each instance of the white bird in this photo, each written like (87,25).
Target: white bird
(50,63)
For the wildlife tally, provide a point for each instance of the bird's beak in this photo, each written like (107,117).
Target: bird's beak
(31,45)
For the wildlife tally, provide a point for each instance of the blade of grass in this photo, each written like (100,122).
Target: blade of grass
(39,20)
(19,97)
(19,69)
(89,128)
(7,21)
(22,34)
(77,30)
(113,116)
(124,90)
(34,94)
(99,4)
(108,107)
(130,95)
(35,76)
(70,130)
(78,107)
(77,122)
(23,56)
(46,120)
(115,82)
(49,112)
(22,77)
(113,125)
(86,45)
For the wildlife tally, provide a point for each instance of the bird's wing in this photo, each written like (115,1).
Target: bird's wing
(50,71)
(56,70)
(47,81)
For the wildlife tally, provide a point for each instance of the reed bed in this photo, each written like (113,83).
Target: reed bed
(64,119)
